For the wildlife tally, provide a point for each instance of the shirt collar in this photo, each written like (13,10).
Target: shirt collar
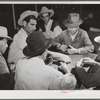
(49,23)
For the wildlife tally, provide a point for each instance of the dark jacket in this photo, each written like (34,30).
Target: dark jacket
(54,24)
(88,79)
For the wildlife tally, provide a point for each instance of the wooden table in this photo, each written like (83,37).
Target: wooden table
(77,57)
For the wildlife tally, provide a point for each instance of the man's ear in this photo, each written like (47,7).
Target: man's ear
(24,23)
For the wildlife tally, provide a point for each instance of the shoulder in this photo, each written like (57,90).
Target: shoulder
(20,34)
(82,31)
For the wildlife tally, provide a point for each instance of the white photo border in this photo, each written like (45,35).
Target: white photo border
(42,94)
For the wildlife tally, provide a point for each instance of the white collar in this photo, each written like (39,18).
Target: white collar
(49,23)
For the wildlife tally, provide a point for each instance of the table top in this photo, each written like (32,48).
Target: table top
(77,57)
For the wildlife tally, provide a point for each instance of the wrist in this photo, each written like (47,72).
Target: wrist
(58,46)
(78,51)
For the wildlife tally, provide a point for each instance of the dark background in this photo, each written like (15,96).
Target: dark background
(90,13)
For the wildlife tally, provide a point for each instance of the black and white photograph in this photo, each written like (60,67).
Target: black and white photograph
(50,47)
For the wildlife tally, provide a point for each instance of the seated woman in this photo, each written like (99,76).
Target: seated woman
(33,74)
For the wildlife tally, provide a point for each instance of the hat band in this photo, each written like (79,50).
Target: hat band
(42,47)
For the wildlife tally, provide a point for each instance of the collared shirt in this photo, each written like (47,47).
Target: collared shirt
(73,36)
(3,65)
(33,74)
(19,42)
(81,41)
(52,34)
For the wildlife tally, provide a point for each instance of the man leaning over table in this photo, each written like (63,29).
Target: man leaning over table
(73,40)
(33,74)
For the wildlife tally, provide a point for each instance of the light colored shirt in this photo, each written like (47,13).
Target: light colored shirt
(73,36)
(33,74)
(3,65)
(16,47)
(52,34)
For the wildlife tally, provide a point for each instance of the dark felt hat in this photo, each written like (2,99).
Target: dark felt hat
(36,44)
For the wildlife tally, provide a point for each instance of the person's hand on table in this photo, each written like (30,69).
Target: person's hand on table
(62,47)
(63,67)
(60,57)
(72,50)
(79,64)
(89,61)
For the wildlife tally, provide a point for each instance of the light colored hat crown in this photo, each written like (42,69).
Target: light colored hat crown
(73,17)
(73,20)
(46,10)
(26,14)
(4,32)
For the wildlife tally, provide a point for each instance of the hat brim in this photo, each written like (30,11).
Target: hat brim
(49,11)
(9,38)
(29,53)
(72,25)
(97,39)
(20,21)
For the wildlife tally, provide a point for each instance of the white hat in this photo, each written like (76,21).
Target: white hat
(4,33)
(97,39)
(46,10)
(25,14)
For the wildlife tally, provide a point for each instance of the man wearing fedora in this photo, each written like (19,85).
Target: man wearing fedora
(73,39)
(27,21)
(6,79)
(33,74)
(47,25)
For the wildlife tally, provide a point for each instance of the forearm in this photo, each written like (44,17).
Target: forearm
(86,49)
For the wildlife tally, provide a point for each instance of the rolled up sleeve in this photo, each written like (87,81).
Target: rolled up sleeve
(63,82)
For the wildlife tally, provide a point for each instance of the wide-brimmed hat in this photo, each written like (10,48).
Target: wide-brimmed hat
(4,33)
(46,10)
(97,39)
(73,20)
(25,14)
(36,44)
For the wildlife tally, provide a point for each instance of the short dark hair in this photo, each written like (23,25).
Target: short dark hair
(27,19)
(1,38)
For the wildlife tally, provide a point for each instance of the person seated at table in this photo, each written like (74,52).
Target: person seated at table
(73,40)
(48,26)
(28,22)
(6,78)
(33,74)
(90,78)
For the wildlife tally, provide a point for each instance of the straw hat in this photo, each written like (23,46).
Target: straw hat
(25,14)
(73,20)
(46,10)
(4,33)
(36,44)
